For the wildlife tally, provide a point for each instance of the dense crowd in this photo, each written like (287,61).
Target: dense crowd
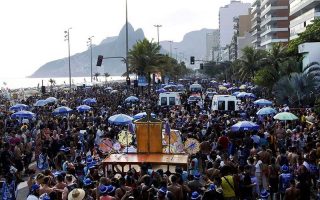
(279,161)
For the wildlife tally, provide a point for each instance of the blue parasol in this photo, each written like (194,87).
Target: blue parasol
(142,115)
(262,102)
(120,119)
(266,111)
(161,90)
(89,101)
(40,103)
(19,107)
(23,114)
(132,99)
(244,126)
(51,100)
(62,110)
(83,108)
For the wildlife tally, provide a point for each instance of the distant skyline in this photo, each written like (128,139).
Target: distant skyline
(32,31)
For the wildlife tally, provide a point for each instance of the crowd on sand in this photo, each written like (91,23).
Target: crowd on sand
(60,161)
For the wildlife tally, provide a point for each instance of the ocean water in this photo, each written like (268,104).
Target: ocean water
(16,83)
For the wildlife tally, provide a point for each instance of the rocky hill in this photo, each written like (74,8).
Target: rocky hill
(193,43)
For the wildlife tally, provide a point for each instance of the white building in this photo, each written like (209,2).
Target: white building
(302,12)
(310,53)
(226,15)
(212,44)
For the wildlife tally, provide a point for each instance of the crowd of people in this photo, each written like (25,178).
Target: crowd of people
(278,161)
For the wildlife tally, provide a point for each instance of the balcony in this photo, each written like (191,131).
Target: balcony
(255,24)
(303,6)
(255,16)
(264,2)
(255,32)
(256,40)
(272,8)
(270,19)
(269,40)
(255,9)
(270,30)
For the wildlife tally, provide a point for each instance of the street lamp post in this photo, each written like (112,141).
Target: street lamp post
(89,44)
(170,41)
(157,26)
(67,38)
(176,53)
(127,47)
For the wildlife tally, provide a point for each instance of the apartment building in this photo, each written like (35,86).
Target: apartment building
(226,15)
(255,24)
(302,12)
(242,26)
(274,16)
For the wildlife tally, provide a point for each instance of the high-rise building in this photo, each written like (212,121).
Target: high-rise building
(274,22)
(242,26)
(212,44)
(302,12)
(255,23)
(226,15)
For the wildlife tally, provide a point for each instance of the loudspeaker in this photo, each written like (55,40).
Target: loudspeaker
(135,83)
(43,89)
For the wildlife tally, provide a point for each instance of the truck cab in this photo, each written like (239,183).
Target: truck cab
(225,103)
(169,99)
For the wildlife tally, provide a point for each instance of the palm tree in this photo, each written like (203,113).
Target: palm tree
(96,75)
(250,62)
(52,83)
(297,89)
(144,58)
(106,75)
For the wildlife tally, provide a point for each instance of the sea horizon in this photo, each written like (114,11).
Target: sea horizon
(26,82)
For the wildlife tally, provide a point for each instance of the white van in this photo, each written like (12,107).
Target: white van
(195,87)
(169,99)
(225,103)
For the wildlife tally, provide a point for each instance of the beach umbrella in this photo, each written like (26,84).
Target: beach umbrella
(62,110)
(83,108)
(132,99)
(120,119)
(285,116)
(161,90)
(89,101)
(114,91)
(242,87)
(169,86)
(19,107)
(142,115)
(262,102)
(235,93)
(51,100)
(244,126)
(23,114)
(40,103)
(245,94)
(266,111)
(222,88)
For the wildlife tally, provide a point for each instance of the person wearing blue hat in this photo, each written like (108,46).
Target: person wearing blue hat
(44,196)
(195,184)
(162,192)
(103,190)
(87,182)
(195,196)
(264,195)
(34,192)
(212,194)
(284,180)
(111,190)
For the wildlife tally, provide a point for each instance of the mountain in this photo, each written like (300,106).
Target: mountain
(193,43)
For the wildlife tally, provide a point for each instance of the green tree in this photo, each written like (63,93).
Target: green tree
(298,89)
(106,75)
(250,62)
(96,75)
(311,34)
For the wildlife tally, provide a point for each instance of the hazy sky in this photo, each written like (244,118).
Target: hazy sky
(32,31)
